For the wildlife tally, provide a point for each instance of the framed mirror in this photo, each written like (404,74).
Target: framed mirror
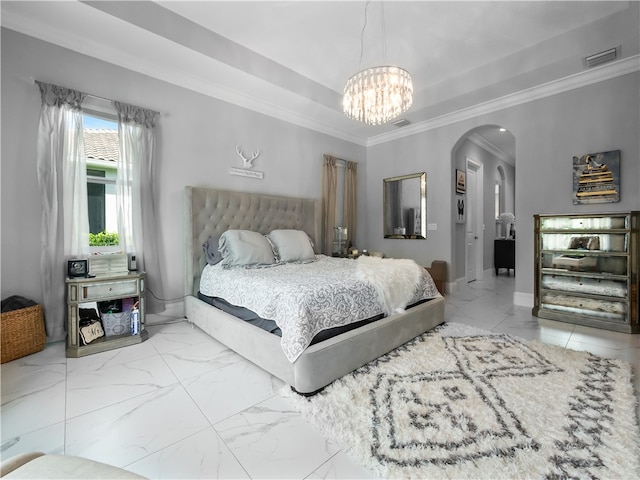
(405,206)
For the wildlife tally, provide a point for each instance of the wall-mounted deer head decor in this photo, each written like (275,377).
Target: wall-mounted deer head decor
(247,162)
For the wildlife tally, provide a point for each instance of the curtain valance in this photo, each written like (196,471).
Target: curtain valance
(55,96)
(139,115)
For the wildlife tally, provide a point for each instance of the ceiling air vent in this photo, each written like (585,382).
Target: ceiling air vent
(401,122)
(602,57)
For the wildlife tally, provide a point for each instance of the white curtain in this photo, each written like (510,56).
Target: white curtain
(62,178)
(136,203)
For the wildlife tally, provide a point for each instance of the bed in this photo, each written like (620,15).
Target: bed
(210,212)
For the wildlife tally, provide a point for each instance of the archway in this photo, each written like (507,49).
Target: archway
(493,148)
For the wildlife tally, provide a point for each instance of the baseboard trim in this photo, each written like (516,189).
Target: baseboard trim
(523,299)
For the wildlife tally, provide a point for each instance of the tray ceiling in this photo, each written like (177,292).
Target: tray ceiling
(290,59)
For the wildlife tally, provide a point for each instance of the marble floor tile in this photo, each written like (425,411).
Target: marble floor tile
(604,338)
(341,466)
(202,455)
(33,396)
(461,298)
(526,329)
(28,374)
(118,356)
(47,440)
(91,391)
(128,431)
(556,329)
(605,350)
(181,405)
(221,394)
(200,359)
(172,336)
(487,320)
(552,340)
(272,441)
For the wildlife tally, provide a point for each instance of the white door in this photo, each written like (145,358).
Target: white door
(472,238)
(474,221)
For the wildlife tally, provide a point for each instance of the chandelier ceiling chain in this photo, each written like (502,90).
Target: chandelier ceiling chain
(377,94)
(384,34)
(364,26)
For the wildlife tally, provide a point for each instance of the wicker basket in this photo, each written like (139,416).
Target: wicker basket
(22,332)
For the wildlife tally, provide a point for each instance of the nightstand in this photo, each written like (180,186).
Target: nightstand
(127,287)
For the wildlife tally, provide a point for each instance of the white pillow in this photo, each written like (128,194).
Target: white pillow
(244,247)
(292,245)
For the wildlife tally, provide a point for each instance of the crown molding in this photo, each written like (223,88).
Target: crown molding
(66,39)
(491,148)
(578,80)
(48,33)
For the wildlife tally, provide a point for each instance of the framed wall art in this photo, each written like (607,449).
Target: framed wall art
(459,208)
(461,181)
(596,178)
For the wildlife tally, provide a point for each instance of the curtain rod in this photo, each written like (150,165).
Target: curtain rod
(342,161)
(33,82)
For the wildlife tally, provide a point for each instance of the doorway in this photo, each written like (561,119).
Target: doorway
(475,221)
(482,152)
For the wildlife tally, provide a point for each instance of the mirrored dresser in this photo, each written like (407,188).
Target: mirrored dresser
(586,269)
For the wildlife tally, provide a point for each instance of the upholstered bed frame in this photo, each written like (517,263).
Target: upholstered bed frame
(209,212)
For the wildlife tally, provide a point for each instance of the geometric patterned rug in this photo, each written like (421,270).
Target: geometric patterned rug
(459,402)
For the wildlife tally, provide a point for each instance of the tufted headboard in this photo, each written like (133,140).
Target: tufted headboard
(212,212)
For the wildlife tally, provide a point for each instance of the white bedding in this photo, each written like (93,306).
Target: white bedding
(303,299)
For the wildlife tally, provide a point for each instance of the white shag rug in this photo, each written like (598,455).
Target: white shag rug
(459,402)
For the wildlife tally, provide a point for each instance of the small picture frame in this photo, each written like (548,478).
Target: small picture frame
(461,181)
(77,268)
(459,208)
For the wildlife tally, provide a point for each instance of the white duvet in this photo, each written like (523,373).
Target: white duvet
(304,299)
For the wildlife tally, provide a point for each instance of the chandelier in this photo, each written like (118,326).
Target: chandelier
(377,94)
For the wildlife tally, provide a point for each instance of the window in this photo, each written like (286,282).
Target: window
(499,200)
(101,151)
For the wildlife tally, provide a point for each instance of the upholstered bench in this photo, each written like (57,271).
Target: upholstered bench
(438,271)
(38,465)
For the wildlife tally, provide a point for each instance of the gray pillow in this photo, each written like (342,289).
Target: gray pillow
(211,252)
(244,247)
(292,245)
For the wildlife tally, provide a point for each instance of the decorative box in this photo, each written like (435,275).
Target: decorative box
(109,264)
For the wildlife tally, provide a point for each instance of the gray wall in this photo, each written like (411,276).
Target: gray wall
(548,133)
(198,134)
(490,163)
(196,146)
